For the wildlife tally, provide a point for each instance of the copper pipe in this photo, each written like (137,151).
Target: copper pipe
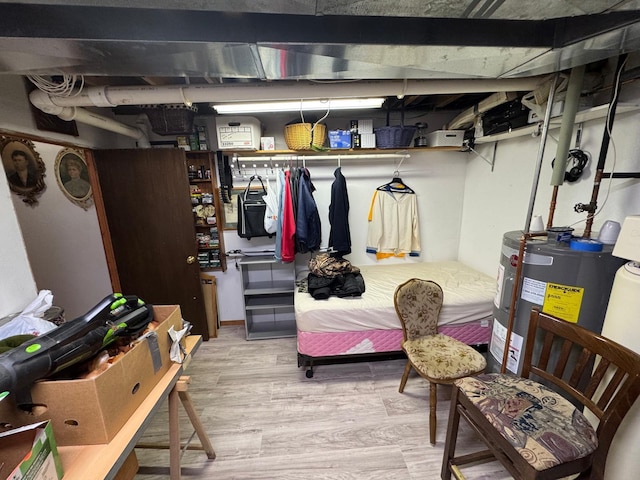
(552,206)
(525,233)
(514,295)
(594,198)
(512,305)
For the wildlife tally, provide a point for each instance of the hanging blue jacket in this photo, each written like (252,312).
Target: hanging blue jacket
(308,229)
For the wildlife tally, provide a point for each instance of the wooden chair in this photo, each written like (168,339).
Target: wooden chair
(534,431)
(437,358)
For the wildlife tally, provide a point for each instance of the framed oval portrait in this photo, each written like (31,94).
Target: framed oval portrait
(72,175)
(24,168)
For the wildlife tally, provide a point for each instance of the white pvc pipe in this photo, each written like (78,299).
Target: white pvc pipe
(65,107)
(45,102)
(90,118)
(107,96)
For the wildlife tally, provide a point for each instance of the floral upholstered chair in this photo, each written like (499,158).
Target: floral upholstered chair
(437,358)
(538,431)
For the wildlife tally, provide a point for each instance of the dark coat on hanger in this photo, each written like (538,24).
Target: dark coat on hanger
(308,227)
(340,235)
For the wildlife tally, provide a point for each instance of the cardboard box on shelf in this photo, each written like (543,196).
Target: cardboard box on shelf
(30,452)
(183,142)
(267,143)
(361,125)
(340,139)
(93,410)
(238,133)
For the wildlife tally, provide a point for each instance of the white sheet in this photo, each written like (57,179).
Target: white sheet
(468,296)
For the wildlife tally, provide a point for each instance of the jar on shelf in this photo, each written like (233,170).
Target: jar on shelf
(193,174)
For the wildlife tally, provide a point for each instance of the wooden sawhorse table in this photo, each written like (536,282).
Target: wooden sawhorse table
(180,393)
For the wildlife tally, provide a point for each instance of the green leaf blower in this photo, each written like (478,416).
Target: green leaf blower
(114,317)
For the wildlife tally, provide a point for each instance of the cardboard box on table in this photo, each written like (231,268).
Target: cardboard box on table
(92,411)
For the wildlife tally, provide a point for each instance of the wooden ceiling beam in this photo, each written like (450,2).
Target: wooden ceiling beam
(448,99)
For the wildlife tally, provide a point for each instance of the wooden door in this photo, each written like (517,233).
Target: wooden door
(145,212)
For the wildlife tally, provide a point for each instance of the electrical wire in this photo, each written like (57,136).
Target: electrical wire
(64,88)
(613,146)
(614,155)
(325,115)
(316,123)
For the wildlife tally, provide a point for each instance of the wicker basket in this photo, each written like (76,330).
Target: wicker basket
(298,135)
(394,137)
(171,119)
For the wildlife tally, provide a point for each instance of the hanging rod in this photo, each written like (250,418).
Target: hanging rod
(320,157)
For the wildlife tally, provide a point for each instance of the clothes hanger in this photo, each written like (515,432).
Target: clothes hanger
(396,185)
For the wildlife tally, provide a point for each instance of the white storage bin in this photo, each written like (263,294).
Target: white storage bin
(238,133)
(445,138)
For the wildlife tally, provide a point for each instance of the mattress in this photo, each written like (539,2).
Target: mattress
(468,298)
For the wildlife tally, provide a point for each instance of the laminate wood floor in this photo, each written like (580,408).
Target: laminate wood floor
(266,420)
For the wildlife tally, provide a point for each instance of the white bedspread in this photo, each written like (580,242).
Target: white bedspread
(468,297)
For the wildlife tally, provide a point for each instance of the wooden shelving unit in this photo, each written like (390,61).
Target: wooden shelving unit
(207,210)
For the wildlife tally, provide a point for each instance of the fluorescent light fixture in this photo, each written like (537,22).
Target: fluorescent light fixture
(298,105)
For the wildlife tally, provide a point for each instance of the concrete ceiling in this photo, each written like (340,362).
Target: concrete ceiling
(166,42)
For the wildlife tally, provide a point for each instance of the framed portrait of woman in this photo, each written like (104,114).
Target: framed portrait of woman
(24,168)
(72,175)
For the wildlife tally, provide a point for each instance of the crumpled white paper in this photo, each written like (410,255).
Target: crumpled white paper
(177,353)
(30,320)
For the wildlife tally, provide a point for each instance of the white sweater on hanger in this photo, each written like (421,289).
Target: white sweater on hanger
(393,225)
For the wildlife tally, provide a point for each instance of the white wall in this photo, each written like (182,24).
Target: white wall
(437,178)
(61,240)
(497,202)
(17,286)
(64,244)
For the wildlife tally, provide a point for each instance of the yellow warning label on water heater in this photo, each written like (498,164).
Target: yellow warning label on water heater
(563,301)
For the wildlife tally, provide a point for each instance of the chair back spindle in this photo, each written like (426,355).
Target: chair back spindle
(605,377)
